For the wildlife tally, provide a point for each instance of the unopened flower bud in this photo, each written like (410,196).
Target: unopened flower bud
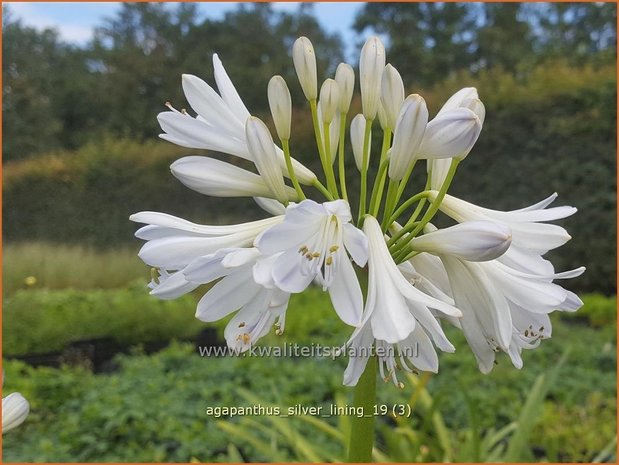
(455,101)
(382,117)
(451,135)
(407,136)
(262,150)
(280,104)
(475,241)
(304,60)
(392,95)
(357,133)
(329,100)
(345,78)
(15,409)
(371,65)
(477,107)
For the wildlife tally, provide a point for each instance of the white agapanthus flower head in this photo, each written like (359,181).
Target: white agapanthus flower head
(486,275)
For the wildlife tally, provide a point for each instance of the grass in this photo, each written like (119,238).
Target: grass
(37,265)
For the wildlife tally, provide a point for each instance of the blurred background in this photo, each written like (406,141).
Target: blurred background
(82,340)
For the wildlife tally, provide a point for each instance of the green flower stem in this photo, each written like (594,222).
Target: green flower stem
(318,185)
(392,191)
(406,205)
(340,156)
(331,184)
(364,169)
(291,173)
(361,439)
(319,144)
(377,194)
(379,182)
(405,179)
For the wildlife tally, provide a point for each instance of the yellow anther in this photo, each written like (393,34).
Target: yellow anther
(246,338)
(401,385)
(242,324)
(329,261)
(334,248)
(316,254)
(303,249)
(278,332)
(309,256)
(154,274)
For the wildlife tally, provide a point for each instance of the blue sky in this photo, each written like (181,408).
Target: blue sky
(75,21)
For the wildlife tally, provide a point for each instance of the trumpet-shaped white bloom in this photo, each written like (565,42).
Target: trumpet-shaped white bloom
(393,305)
(220,124)
(312,242)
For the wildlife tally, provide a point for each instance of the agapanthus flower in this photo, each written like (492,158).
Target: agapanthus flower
(486,275)
(15,409)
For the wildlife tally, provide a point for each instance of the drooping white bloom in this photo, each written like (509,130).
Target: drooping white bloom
(312,243)
(280,104)
(304,59)
(220,179)
(464,98)
(476,241)
(371,65)
(392,95)
(393,305)
(329,100)
(15,409)
(408,135)
(357,132)
(345,78)
(220,124)
(261,147)
(397,318)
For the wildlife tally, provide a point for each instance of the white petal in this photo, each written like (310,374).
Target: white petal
(15,409)
(228,92)
(272,206)
(287,273)
(228,295)
(345,293)
(361,349)
(356,244)
(173,287)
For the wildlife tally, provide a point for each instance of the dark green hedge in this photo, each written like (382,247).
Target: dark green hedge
(551,130)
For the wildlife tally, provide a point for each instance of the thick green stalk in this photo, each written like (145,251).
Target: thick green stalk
(291,173)
(406,205)
(364,169)
(392,191)
(331,184)
(318,185)
(340,156)
(319,143)
(361,439)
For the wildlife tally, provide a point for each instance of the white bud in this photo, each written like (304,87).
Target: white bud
(371,65)
(407,136)
(477,107)
(15,409)
(455,101)
(262,149)
(475,241)
(345,78)
(451,135)
(357,133)
(329,100)
(280,104)
(392,95)
(382,117)
(304,60)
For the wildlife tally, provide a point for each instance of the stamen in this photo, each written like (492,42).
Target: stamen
(334,248)
(242,324)
(329,261)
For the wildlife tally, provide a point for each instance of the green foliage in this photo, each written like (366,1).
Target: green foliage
(39,321)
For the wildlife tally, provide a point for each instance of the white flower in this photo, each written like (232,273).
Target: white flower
(15,409)
(357,131)
(312,242)
(392,95)
(304,59)
(214,177)
(261,147)
(260,305)
(329,100)
(345,78)
(475,241)
(280,104)
(408,135)
(451,134)
(220,124)
(371,65)
(393,304)
(464,98)
(173,243)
